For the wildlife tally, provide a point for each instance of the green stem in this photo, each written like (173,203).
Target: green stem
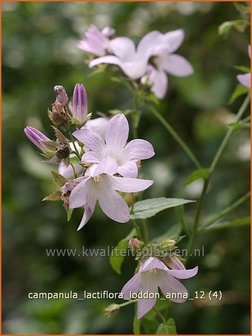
(75,175)
(76,152)
(127,303)
(160,314)
(211,170)
(227,210)
(139,233)
(197,218)
(228,135)
(175,136)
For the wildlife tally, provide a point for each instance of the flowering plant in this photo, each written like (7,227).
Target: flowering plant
(97,163)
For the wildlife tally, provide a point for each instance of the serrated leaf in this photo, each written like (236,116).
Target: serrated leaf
(55,196)
(238,91)
(233,223)
(116,258)
(150,207)
(201,173)
(58,179)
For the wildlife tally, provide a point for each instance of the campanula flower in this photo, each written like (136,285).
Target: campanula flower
(99,185)
(125,156)
(95,41)
(154,274)
(133,61)
(163,61)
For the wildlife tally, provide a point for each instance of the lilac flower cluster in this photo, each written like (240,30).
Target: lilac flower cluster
(95,159)
(148,62)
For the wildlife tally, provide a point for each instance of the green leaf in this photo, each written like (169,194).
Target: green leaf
(117,256)
(69,214)
(239,25)
(238,91)
(150,207)
(233,223)
(58,179)
(167,328)
(201,173)
(242,68)
(55,196)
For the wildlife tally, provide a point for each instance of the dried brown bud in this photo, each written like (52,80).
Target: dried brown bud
(62,151)
(61,95)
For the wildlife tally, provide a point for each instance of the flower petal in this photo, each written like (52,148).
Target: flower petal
(135,69)
(88,211)
(149,286)
(90,157)
(105,60)
(160,84)
(111,203)
(184,274)
(176,264)
(153,263)
(91,140)
(132,286)
(123,47)
(245,79)
(78,195)
(117,132)
(98,125)
(144,305)
(147,43)
(128,169)
(175,65)
(168,284)
(67,171)
(129,185)
(107,166)
(174,39)
(138,149)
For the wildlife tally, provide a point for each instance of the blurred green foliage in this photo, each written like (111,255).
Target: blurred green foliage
(39,51)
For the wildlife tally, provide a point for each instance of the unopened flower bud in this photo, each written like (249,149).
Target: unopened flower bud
(135,244)
(79,104)
(108,31)
(112,309)
(36,137)
(168,243)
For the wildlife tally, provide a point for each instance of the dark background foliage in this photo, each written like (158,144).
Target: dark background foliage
(39,51)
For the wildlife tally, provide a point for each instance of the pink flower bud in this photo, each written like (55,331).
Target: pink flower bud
(79,104)
(135,244)
(36,137)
